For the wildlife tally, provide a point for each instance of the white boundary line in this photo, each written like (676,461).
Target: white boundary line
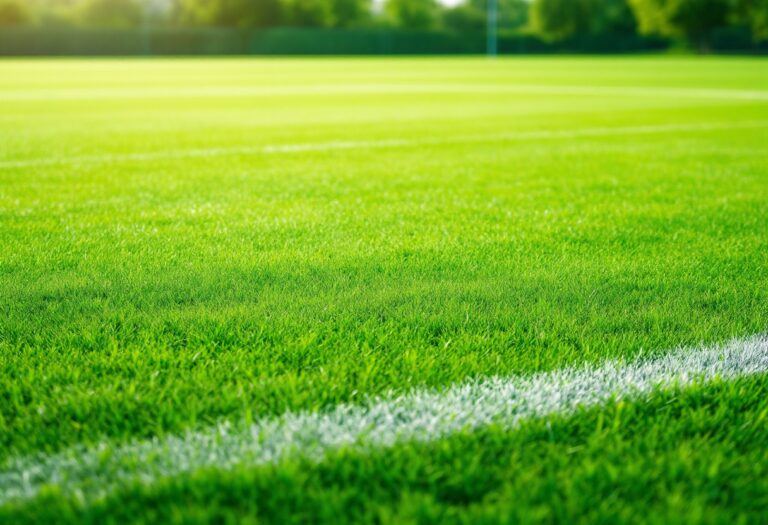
(186,92)
(274,149)
(421,416)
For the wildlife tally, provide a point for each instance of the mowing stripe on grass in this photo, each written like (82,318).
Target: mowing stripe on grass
(422,415)
(373,144)
(177,92)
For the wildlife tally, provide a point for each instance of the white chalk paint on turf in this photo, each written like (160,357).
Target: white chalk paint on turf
(384,88)
(422,416)
(273,149)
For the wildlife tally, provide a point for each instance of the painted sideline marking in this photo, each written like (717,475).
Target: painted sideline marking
(422,416)
(372,144)
(182,92)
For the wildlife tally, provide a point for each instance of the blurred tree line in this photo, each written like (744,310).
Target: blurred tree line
(692,21)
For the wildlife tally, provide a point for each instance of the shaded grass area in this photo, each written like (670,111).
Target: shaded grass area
(692,456)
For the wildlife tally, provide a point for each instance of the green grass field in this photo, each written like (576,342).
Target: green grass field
(185,243)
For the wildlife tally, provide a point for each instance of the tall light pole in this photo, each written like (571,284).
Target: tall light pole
(492,43)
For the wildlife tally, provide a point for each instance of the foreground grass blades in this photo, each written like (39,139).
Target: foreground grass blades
(189,241)
(693,456)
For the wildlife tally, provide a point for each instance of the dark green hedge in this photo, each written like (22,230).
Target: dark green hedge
(290,41)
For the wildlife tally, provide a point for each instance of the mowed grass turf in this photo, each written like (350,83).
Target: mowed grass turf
(185,242)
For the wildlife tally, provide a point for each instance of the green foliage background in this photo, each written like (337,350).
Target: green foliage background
(693,22)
